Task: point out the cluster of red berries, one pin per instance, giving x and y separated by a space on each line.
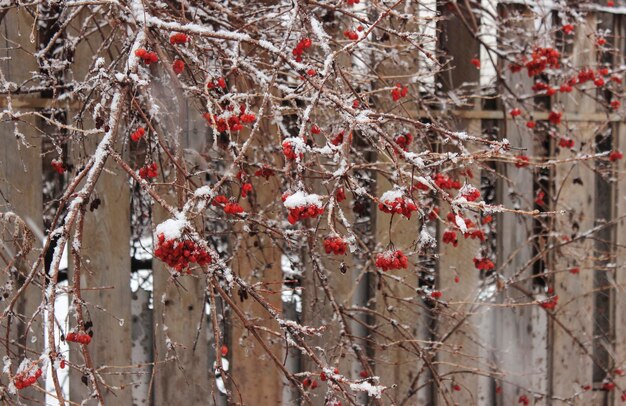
555 117
473 232
567 28
22 380
146 56
81 338
303 212
615 105
178 66
483 264
615 156
233 208
179 254
445 182
58 166
551 302
523 400
303 45
178 38
566 142
470 193
309 383
292 149
149 171
137 134
449 237
404 140
399 92
521 161
353 2
398 206
391 259
516 112
335 245
231 122
542 58
351 35
217 83
338 138
541 86
264 172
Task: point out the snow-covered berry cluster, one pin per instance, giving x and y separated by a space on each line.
391 259
394 201
302 206
180 254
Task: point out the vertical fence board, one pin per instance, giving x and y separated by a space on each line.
620 261
105 280
21 185
517 328
571 366
141 351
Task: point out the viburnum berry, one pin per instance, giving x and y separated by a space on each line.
340 195
599 82
394 201
521 161
566 142
179 254
302 206
81 338
315 129
303 45
265 172
245 189
219 200
565 88
555 117
616 79
149 171
353 2
475 62
450 237
404 140
436 294
615 155
146 56
224 350
608 386
601 41
567 28
337 139
487 219
549 303
433 214
178 66
391 259
610 3
58 166
456 387
530 124
351 35
314 384
217 83
615 105
294 148
178 38
483 264
137 134
574 271
399 92
541 59
233 208
306 382
523 399
539 198
470 193
26 378
515 67
335 245
445 182
363 374
516 112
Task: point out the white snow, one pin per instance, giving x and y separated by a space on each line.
300 199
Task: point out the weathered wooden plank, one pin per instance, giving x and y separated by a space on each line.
21 193
571 365
141 351
521 341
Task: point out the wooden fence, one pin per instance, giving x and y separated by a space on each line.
153 343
